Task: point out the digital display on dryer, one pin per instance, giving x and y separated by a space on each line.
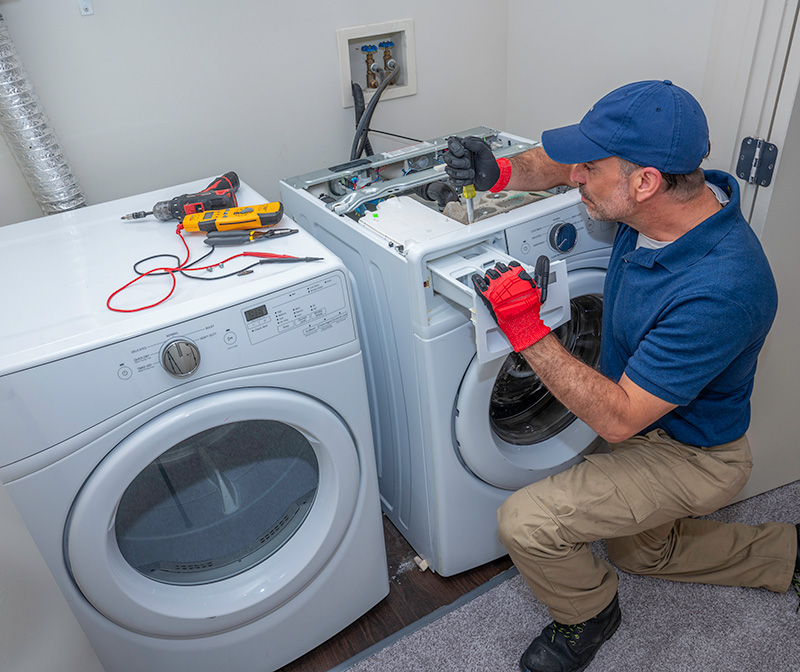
255 313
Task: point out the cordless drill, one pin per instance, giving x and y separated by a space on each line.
218 195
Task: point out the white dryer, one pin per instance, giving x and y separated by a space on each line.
459 421
199 476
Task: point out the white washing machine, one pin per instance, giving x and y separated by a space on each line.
199 476
459 421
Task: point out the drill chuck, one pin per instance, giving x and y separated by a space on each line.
163 211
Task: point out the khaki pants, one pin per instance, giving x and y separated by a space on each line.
637 498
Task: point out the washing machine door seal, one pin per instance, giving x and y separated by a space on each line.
131 599
501 463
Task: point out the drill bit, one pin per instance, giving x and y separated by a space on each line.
137 215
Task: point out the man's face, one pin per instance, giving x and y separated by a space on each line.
604 189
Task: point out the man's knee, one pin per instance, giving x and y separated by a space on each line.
519 519
635 556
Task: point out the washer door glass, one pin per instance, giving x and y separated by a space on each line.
510 430
214 513
522 411
218 503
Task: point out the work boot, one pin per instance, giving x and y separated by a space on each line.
570 648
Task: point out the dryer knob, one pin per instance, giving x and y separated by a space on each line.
563 237
180 358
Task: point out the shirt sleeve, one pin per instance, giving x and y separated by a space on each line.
693 341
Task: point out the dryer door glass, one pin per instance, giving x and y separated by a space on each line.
217 503
522 411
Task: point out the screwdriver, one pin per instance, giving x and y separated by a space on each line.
468 192
241 237
270 258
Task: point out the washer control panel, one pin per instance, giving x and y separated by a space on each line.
559 234
563 237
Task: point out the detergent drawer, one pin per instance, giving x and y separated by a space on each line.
451 277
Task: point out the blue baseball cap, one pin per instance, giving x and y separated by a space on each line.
651 123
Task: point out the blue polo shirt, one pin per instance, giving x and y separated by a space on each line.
686 322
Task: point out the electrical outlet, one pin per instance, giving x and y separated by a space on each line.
359 44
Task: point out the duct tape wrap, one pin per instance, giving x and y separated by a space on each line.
30 137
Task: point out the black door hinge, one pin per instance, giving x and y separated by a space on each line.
757 161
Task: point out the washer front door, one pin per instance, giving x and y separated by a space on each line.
215 513
510 430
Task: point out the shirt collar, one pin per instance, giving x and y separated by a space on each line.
695 244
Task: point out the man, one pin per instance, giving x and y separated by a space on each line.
688 301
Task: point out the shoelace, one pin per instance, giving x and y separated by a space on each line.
796 586
570 632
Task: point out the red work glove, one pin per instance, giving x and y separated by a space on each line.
514 300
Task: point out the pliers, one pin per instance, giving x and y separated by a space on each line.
243 236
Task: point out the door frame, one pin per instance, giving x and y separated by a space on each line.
753 58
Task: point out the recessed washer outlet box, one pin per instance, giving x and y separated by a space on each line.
352 60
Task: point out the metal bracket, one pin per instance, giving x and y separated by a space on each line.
757 161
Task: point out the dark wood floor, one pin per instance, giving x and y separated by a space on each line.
413 594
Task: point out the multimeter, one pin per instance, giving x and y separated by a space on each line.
231 219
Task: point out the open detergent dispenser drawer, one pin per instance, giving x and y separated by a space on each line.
451 276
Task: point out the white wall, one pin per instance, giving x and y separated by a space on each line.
144 94
149 93
564 56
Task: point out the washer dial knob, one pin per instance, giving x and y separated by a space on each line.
563 237
180 358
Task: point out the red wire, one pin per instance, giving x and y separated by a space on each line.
169 271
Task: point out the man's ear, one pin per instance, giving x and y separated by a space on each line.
647 184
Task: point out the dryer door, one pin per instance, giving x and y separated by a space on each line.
215 513
510 430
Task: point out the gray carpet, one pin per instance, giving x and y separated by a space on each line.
666 627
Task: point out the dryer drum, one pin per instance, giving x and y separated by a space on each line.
522 411
217 503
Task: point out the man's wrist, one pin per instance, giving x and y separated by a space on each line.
505 175
524 330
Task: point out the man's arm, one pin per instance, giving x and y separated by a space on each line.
471 161
616 411
535 171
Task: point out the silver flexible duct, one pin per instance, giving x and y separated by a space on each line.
31 138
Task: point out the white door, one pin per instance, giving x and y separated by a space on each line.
215 513
510 430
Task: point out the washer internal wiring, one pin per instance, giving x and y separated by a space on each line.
182 268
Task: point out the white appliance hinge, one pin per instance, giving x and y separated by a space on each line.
757 161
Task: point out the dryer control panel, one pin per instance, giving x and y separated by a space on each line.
309 309
77 392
